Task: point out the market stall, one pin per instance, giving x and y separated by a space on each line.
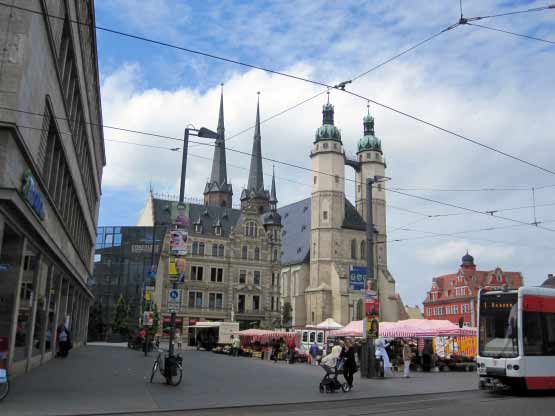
257 343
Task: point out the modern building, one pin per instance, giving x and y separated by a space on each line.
123 261
231 267
454 296
324 236
51 162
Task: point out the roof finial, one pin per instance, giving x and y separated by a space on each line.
328 95
368 107
222 88
257 97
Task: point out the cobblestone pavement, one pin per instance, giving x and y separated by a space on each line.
101 379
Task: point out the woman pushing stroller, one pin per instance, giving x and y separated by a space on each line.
333 366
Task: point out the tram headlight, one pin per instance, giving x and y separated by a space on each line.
509 366
516 367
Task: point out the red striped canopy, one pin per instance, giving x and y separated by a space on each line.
263 336
409 328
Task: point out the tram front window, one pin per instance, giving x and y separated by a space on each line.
498 325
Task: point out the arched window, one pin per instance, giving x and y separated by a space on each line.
250 229
195 248
257 253
363 249
221 250
275 257
201 249
244 253
354 249
214 250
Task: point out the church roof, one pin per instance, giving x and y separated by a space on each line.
295 219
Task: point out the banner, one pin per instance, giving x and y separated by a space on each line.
357 276
178 242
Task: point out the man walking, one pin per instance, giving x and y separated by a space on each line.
235 345
407 357
314 350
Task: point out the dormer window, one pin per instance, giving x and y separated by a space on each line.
250 229
218 230
198 228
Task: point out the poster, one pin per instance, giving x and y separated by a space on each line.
178 242
182 219
372 328
180 268
372 307
357 276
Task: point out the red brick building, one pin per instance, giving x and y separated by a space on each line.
453 296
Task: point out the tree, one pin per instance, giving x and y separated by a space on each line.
286 317
120 320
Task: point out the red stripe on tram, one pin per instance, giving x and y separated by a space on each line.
538 304
540 383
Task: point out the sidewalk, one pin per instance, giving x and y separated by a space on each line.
98 379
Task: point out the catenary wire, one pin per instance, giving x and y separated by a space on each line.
488 213
512 33
491 16
340 87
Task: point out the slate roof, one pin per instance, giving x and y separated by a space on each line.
209 215
295 219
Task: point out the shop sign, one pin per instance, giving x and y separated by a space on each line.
357 276
31 194
143 248
178 242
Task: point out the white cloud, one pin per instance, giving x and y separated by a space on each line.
449 252
488 86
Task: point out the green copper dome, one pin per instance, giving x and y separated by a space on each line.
369 141
327 131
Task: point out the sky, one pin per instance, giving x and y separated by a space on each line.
489 86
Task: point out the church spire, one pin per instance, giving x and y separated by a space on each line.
273 198
256 179
255 187
217 190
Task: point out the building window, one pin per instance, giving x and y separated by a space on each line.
214 250
244 253
363 249
465 308
196 272
217 274
201 249
215 300
315 179
255 303
272 304
455 309
198 228
325 145
195 248
354 249
275 255
195 299
242 277
251 229
273 279
325 215
256 278
218 230
221 250
241 303
256 253
336 179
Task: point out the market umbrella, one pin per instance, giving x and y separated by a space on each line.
329 324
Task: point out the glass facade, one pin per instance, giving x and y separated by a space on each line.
122 264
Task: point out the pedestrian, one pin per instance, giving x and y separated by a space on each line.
381 353
64 341
314 351
427 355
235 346
291 350
407 357
275 350
178 339
349 362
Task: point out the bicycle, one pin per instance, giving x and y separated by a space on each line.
170 368
4 384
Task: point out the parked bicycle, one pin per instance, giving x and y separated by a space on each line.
4 384
170 367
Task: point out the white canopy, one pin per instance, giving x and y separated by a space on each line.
329 324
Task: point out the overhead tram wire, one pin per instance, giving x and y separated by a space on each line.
281 162
512 33
340 86
535 9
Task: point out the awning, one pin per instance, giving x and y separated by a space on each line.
408 328
329 324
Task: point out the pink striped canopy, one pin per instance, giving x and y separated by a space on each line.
264 336
409 328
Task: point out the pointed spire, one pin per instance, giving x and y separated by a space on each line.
256 179
327 112
218 178
273 198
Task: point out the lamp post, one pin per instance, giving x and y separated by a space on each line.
190 130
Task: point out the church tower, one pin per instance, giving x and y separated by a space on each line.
218 191
372 165
324 293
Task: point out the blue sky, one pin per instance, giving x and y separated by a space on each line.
487 85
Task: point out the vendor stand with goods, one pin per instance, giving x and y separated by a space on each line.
259 343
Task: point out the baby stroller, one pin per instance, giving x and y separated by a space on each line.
330 383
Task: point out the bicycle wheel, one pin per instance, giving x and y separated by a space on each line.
154 369
4 389
174 379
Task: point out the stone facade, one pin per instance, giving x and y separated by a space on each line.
51 162
329 234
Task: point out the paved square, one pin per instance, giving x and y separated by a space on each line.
97 379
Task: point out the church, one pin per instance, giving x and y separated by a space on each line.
263 257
